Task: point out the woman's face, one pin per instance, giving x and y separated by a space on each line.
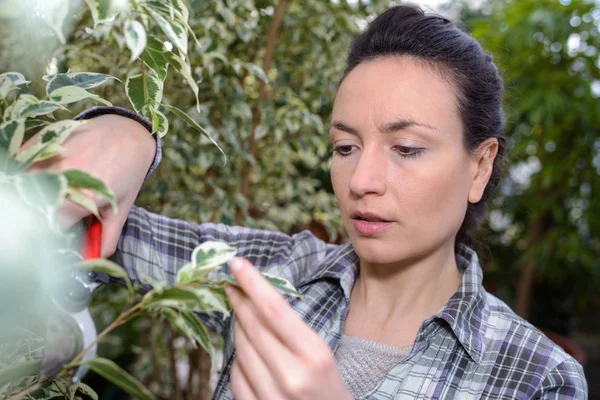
400 172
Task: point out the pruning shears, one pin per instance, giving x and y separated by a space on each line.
70 328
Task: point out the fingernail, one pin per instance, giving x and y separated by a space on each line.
236 264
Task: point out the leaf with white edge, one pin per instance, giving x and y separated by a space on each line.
49 151
214 300
180 6
281 284
54 134
10 81
11 136
194 325
184 68
189 273
84 389
24 100
84 80
135 38
184 116
82 200
82 180
162 125
256 71
72 94
143 89
190 326
16 78
156 58
93 6
110 371
174 31
42 107
43 190
108 267
211 253
31 124
181 297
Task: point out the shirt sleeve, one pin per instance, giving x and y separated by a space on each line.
104 110
565 382
156 247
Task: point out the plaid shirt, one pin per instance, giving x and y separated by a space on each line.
475 347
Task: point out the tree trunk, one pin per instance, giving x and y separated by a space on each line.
271 39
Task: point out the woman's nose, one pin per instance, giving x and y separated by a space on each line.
369 176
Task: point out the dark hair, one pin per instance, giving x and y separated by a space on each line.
436 41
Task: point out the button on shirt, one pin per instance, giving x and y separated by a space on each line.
474 348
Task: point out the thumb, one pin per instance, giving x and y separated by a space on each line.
112 225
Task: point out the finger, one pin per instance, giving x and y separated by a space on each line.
278 358
253 367
240 387
273 309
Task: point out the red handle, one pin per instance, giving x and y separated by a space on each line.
91 245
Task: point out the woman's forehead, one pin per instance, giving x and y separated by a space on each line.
385 89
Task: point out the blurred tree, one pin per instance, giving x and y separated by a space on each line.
544 223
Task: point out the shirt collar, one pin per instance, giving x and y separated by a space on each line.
465 312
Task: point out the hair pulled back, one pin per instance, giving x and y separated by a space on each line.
406 31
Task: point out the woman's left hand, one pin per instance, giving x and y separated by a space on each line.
277 355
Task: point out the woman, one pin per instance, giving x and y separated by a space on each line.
399 312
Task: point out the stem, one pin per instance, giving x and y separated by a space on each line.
118 321
30 389
173 360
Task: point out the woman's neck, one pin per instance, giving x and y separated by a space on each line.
388 303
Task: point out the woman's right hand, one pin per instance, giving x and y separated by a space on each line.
115 149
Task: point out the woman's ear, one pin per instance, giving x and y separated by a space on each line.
482 165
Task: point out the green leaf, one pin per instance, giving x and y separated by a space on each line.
10 81
281 284
20 370
72 94
105 10
108 267
194 325
181 297
256 71
190 326
84 80
82 180
142 90
214 299
135 38
162 125
82 200
184 68
208 256
50 137
11 136
156 58
174 31
181 114
43 190
84 389
30 106
115 374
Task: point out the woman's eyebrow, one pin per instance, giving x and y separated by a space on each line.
402 123
343 127
394 126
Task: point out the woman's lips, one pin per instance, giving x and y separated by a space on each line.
368 228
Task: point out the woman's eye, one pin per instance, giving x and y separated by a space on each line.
344 150
405 151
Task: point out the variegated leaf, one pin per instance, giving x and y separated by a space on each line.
156 58
142 90
72 94
82 180
184 68
11 136
174 30
84 80
53 134
135 38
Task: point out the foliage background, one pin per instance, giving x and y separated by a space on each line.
267 73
